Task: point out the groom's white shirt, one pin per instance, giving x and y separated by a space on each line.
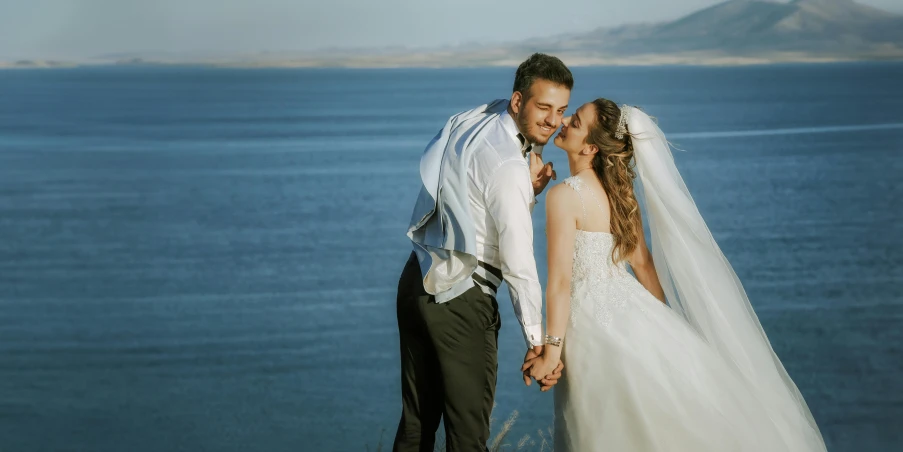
478 182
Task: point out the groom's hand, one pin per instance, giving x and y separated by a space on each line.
540 174
532 354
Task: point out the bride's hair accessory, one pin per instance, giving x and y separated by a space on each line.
622 123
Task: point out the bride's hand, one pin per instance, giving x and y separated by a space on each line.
543 367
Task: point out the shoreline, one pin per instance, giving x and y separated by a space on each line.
449 62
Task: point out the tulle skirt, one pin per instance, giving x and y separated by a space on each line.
639 378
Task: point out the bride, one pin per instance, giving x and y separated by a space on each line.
695 374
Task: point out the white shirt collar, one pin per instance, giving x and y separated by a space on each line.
511 127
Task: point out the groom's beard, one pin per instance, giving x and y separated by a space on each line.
539 141
524 127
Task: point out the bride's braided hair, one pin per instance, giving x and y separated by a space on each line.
613 164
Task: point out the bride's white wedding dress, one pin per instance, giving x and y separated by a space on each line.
638 377
698 375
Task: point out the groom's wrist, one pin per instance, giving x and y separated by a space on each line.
533 335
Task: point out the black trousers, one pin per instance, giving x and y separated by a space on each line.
449 362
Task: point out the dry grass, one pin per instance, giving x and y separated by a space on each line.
498 444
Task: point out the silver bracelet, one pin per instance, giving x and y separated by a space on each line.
552 340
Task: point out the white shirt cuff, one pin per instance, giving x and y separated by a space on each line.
533 335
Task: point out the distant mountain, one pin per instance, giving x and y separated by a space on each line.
829 29
733 32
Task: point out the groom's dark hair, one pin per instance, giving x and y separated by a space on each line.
541 66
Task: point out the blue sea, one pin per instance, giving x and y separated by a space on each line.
197 259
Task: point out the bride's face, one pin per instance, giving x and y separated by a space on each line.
575 129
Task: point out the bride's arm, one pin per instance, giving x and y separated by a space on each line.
561 229
643 267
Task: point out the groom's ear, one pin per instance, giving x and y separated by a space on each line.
516 98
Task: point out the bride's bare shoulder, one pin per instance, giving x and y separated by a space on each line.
563 196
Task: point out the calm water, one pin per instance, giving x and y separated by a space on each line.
195 259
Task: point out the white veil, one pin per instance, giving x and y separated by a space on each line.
700 283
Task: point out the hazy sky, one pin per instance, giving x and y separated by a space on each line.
83 28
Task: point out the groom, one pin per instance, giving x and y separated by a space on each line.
471 229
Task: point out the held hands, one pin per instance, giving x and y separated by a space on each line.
543 368
540 174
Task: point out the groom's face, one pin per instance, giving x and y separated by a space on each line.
538 112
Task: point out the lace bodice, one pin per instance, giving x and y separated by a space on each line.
596 277
592 250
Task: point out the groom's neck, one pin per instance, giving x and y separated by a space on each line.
517 123
511 113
